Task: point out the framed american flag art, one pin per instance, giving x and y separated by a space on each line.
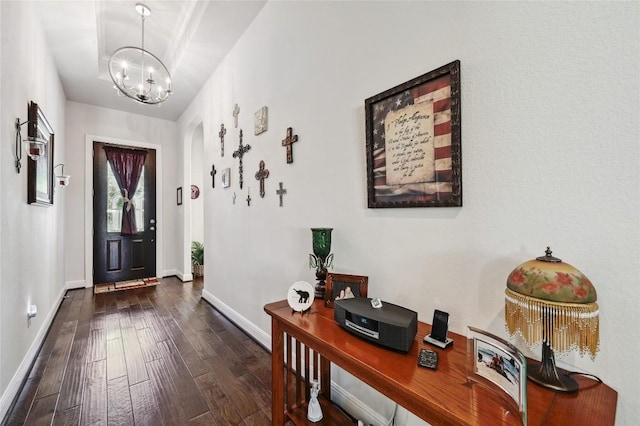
413 137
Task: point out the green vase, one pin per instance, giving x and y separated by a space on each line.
321 257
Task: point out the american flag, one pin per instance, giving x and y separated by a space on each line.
437 91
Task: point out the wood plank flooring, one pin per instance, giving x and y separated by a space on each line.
149 356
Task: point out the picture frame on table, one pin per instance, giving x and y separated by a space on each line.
499 365
179 196
40 179
413 142
344 286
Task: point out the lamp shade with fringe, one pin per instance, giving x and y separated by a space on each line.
550 301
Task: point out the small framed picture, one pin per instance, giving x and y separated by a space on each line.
498 364
226 177
342 286
261 120
179 196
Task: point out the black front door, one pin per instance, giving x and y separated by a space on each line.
122 257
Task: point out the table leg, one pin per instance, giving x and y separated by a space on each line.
277 374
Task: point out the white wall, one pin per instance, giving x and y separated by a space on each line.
115 126
198 173
32 239
549 147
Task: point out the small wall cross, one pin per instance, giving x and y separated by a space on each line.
288 142
261 175
236 111
248 197
240 153
222 132
281 192
213 174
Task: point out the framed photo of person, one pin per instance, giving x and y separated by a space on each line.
343 286
498 364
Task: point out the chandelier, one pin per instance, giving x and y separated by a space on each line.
137 73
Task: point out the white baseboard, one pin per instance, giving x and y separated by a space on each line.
23 369
70 285
256 332
355 407
184 277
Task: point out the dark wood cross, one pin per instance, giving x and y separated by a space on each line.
261 175
222 132
281 192
213 175
240 153
288 142
248 197
236 111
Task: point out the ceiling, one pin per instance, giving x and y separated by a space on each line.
191 37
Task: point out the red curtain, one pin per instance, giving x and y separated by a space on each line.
127 165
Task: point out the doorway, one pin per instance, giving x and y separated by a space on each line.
197 191
124 227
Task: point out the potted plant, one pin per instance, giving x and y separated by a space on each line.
197 258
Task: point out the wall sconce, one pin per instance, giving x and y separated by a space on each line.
34 146
62 180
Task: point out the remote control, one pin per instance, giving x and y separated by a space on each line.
428 358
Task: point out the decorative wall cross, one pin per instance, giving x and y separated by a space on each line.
281 192
236 111
213 175
288 142
222 132
240 153
248 197
261 175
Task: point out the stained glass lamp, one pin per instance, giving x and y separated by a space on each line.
550 301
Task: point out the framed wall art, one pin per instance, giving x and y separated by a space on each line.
498 364
413 142
40 179
261 120
226 177
343 286
179 196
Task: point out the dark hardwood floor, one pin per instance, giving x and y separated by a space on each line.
150 356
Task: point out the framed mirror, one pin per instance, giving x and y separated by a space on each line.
40 172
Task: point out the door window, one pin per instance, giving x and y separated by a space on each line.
115 200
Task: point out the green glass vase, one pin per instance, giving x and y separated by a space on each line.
321 257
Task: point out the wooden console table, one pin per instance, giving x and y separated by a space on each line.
303 346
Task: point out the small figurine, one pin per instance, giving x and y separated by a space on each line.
314 412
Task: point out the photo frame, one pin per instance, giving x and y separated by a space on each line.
226 177
179 196
261 120
343 286
499 365
413 142
40 180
